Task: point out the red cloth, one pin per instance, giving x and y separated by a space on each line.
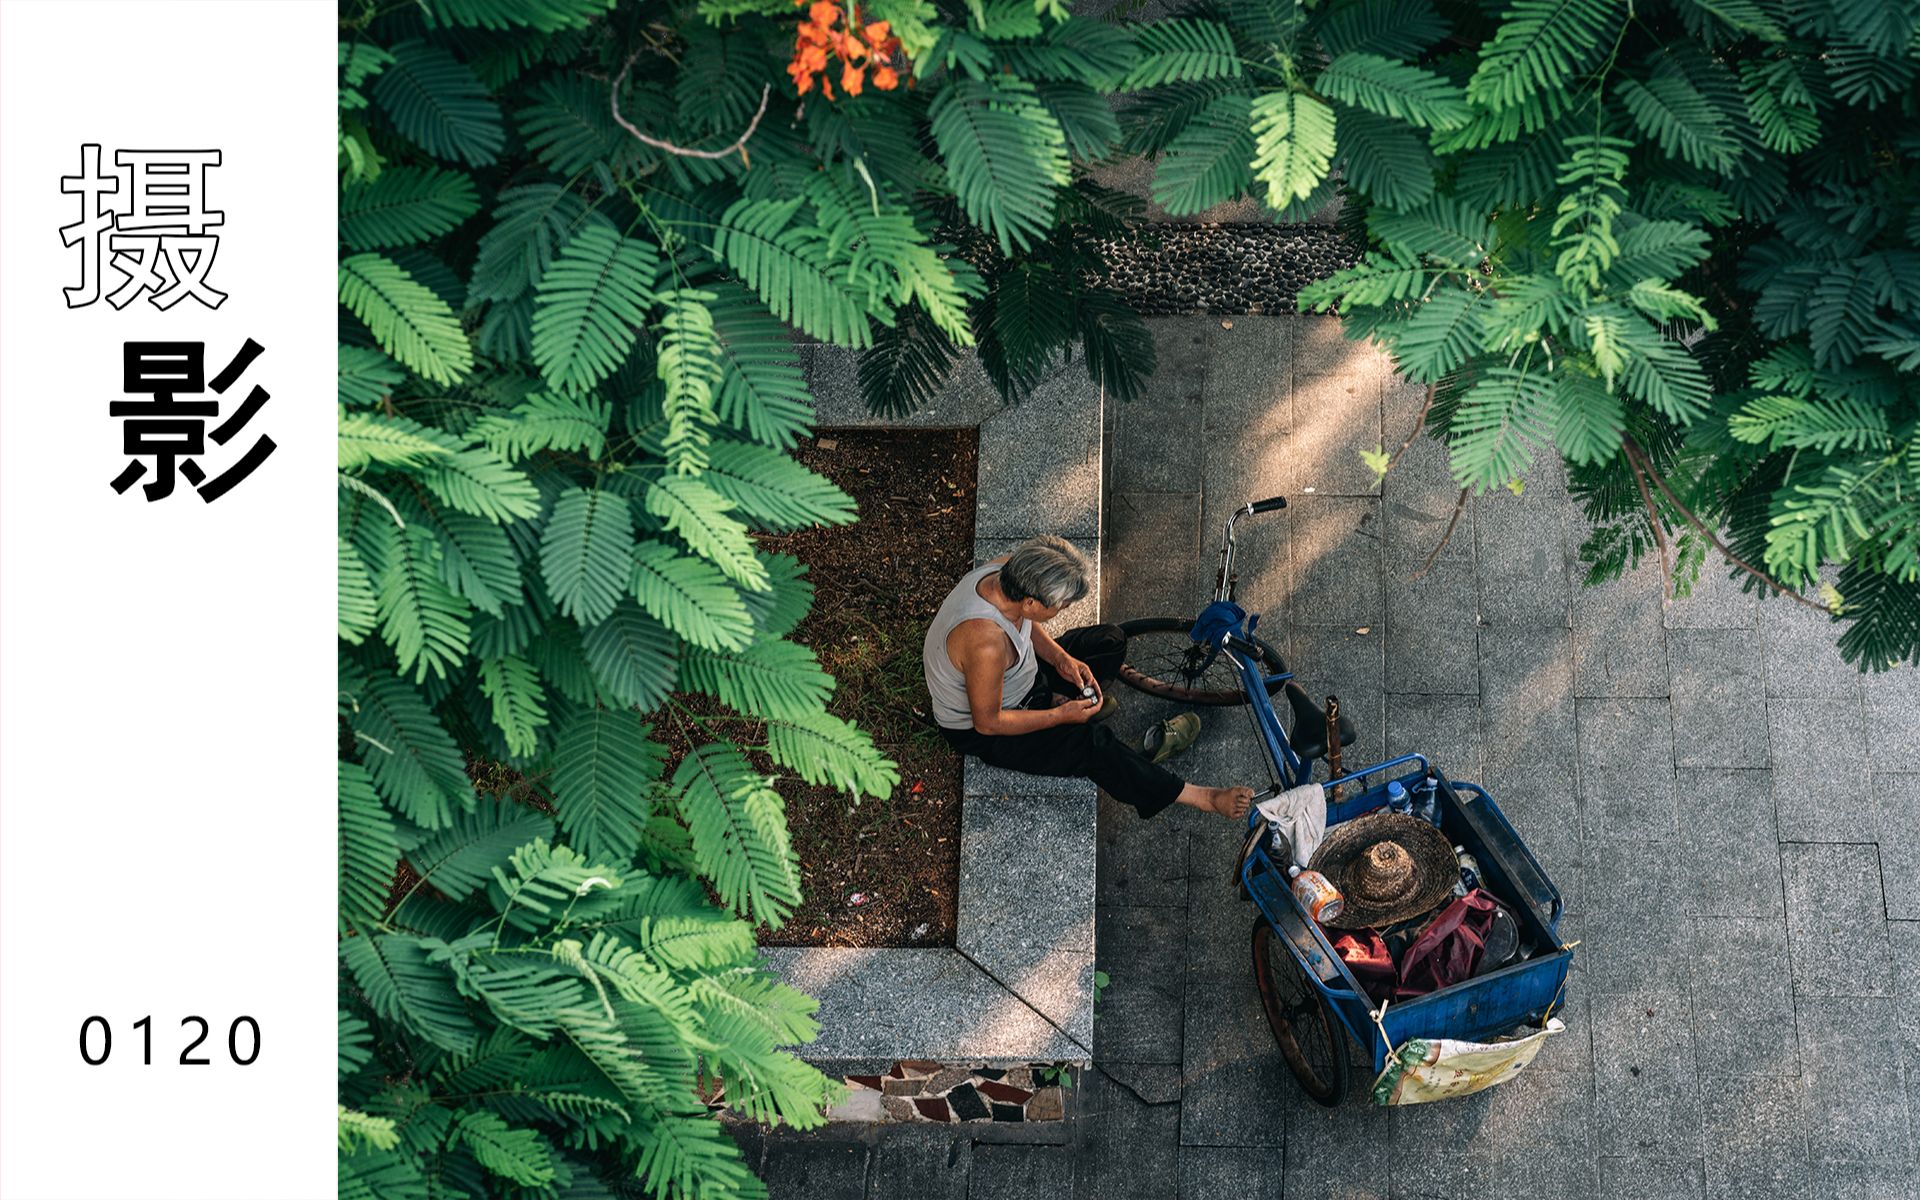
1445 953
1447 950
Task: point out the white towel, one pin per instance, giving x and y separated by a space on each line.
1300 814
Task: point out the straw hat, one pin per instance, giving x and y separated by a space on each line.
1388 867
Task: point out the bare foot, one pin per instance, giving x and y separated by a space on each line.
1232 802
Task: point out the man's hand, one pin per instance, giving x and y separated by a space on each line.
1079 674
1076 712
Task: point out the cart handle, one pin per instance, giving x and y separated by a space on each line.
1362 773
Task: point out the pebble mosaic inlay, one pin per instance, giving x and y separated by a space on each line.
917 1090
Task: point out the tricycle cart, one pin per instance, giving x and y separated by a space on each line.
1308 991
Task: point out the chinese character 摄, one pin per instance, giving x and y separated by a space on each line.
170 430
149 222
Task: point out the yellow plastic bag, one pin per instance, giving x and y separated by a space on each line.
1424 1069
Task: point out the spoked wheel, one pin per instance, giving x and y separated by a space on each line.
1309 1037
1163 661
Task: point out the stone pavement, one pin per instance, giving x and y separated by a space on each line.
1732 813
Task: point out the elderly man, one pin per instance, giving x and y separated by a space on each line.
1006 692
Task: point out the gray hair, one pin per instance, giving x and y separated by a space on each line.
1048 569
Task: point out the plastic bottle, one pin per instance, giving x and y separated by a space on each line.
1397 799
1426 800
1316 894
1469 871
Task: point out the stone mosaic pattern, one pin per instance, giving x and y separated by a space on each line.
919 1090
1175 270
1732 813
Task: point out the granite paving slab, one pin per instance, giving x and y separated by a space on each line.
806 1170
1716 601
1334 1153
1337 578
921 1160
1836 920
1138 1017
1139 862
1444 728
1154 544
1233 1081
1821 781
1619 642
1541 801
1336 418
1638 937
1801 657
1015 1172
1129 1148
1432 633
1157 441
1896 801
1742 984
1646 1086
1854 1101
1252 1173
1759 1147
1733 853
1637 1179
1526 686
1040 463
1719 699
1893 719
1865 1181
1903 938
1520 553
1341 661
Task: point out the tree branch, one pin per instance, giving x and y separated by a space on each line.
1419 423
1659 531
739 145
1639 457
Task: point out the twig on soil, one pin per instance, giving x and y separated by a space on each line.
739 146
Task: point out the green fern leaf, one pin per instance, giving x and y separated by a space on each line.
699 514
548 421
368 849
1293 145
1443 230
1587 418
436 103
585 552
688 363
458 860
1384 159
740 834
404 206
1005 155
367 376
1393 89
514 688
424 622
1182 50
633 656
1672 112
774 679
359 613
773 490
368 438
823 749
411 323
520 1155
604 770
547 16
1393 28
1441 335
570 127
907 366
416 766
401 986
355 1042
1208 162
691 597
1494 427
531 223
590 306
1541 46
787 266
762 389
784 605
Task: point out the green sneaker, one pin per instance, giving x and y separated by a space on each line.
1171 736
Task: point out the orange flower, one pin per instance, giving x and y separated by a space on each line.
859 47
851 49
851 79
877 32
885 79
824 13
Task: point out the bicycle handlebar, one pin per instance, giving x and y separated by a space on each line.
1267 505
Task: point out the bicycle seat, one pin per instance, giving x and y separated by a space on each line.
1309 737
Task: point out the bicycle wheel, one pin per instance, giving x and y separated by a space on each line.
1163 661
1310 1039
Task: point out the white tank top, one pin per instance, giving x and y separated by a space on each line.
945 684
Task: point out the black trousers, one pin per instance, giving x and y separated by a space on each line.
1089 751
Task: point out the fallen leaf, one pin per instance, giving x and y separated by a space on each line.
1226 324
1364 629
828 443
